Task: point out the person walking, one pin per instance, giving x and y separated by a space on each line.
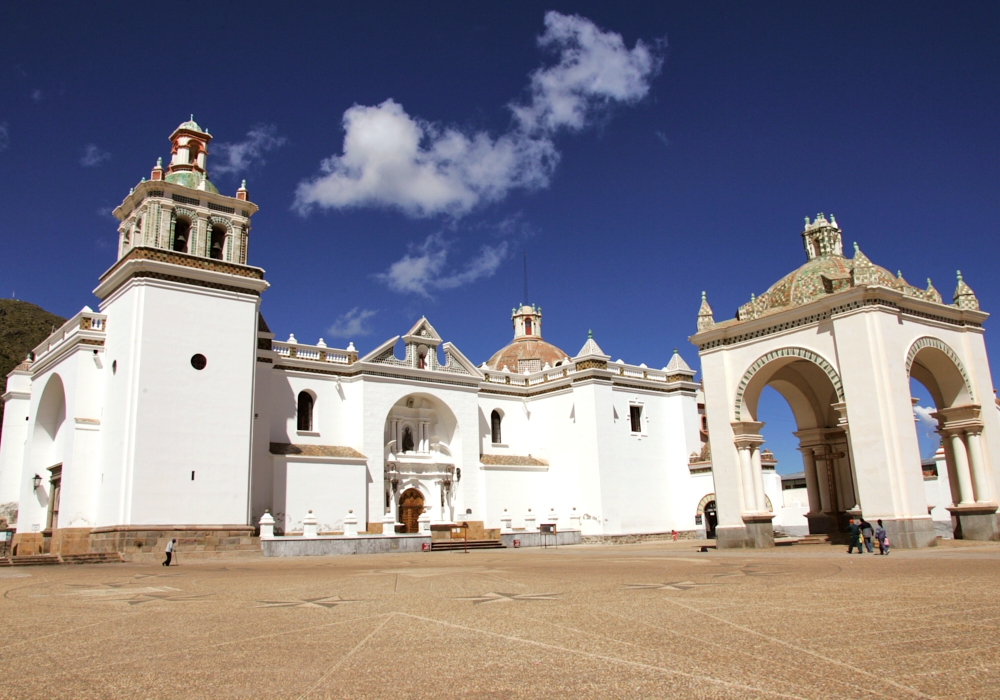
170 551
855 532
866 532
880 537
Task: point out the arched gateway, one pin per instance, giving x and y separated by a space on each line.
839 339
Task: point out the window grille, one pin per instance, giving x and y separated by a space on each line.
185 200
218 207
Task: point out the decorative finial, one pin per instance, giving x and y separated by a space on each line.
753 297
807 222
855 246
590 335
703 296
244 185
192 119
159 162
899 274
675 351
143 179
959 274
131 190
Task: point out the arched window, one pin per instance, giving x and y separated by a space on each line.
527 326
407 439
218 248
182 230
495 421
305 414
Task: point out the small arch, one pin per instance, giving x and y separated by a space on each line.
786 353
183 228
704 502
496 419
218 245
304 414
527 326
934 364
407 439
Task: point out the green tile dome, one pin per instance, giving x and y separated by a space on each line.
193 180
191 125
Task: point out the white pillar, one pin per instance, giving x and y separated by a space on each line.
266 525
812 487
309 525
746 471
758 479
823 483
980 479
350 524
529 522
962 468
505 521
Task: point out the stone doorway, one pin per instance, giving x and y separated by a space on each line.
711 520
411 507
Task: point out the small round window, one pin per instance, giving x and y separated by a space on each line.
198 361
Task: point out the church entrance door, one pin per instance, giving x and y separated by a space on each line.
411 507
711 520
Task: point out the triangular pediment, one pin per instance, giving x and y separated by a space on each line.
424 332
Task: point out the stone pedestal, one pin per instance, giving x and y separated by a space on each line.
309 525
552 517
976 522
529 522
505 522
350 525
909 533
424 521
756 533
266 525
822 523
389 525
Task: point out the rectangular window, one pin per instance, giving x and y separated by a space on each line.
635 413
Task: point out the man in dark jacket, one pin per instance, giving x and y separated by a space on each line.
855 532
866 532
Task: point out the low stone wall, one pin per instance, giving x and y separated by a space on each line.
334 546
147 542
642 537
538 539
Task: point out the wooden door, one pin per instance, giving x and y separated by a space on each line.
411 507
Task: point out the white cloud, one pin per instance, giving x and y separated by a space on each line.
924 418
423 269
352 324
234 158
93 156
595 69
105 211
37 95
4 136
391 159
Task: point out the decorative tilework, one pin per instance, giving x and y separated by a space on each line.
929 342
800 353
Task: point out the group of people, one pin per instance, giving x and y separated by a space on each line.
863 531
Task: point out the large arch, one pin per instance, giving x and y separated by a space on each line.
46 440
427 461
814 392
934 364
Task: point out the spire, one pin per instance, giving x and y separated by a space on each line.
863 272
932 294
590 347
964 297
705 319
677 364
241 193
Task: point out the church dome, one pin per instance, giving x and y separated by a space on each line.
528 352
819 276
191 125
192 179
527 355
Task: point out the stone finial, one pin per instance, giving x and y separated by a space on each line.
350 347
964 297
863 270
931 294
705 319
291 338
159 162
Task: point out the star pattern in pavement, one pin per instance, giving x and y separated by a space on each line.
494 597
327 602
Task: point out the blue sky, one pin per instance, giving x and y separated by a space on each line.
639 152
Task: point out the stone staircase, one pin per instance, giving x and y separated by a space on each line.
841 538
31 560
93 558
460 546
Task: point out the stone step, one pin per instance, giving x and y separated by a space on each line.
93 558
35 560
460 546
841 538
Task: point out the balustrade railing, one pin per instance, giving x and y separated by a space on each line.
85 321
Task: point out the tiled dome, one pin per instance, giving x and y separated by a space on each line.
534 352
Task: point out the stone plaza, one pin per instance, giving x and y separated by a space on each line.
657 619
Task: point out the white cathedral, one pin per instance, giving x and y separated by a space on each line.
173 410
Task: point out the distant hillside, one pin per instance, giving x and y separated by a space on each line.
22 327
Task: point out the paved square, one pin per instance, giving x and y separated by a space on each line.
638 621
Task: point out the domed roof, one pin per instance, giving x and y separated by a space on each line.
534 352
191 125
192 179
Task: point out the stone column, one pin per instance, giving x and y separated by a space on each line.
823 483
746 471
812 487
758 479
949 463
962 468
980 479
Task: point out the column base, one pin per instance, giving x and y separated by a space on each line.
822 523
978 521
756 533
909 533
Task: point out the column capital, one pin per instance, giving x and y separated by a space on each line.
747 433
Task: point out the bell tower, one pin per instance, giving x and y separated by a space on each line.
180 362
527 320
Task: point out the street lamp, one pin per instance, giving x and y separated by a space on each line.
37 481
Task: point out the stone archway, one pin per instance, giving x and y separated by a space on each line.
411 507
935 365
814 393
